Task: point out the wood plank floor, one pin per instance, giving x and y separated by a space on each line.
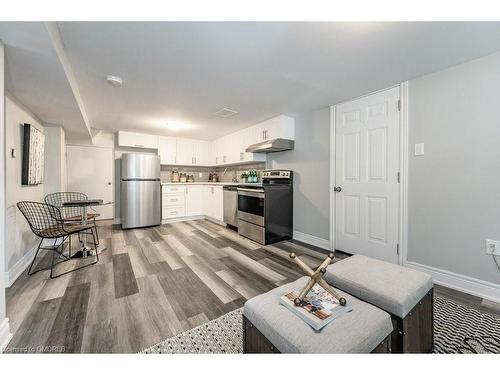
149 284
153 283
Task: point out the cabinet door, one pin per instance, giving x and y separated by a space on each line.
194 201
214 155
207 199
167 149
222 151
281 127
246 140
218 203
230 149
258 132
138 140
200 152
185 151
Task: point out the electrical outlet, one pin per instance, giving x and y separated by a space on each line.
493 247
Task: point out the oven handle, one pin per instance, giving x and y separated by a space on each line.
251 193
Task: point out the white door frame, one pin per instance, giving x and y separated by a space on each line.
113 169
403 169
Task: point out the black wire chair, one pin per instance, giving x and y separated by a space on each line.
71 214
47 222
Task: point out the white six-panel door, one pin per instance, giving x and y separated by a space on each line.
366 173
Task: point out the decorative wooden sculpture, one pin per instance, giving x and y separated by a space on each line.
316 277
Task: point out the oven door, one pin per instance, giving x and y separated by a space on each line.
251 207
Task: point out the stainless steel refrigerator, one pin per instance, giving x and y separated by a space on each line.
140 190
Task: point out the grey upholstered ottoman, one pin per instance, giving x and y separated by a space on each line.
403 292
271 328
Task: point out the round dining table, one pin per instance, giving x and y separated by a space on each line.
84 204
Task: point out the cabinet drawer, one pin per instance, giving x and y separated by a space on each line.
173 212
170 189
168 200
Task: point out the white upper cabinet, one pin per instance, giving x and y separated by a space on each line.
212 153
139 140
201 153
229 149
185 151
167 149
192 152
223 150
276 127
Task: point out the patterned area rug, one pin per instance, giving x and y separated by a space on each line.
457 329
219 336
460 329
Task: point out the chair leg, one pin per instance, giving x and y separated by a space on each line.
52 265
96 244
96 232
34 258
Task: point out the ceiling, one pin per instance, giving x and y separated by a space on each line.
34 75
185 72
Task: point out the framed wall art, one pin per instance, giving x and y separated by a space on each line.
33 155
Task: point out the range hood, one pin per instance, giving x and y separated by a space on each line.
271 145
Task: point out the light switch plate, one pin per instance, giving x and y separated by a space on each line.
419 149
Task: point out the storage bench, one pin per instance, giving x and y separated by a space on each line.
406 294
270 327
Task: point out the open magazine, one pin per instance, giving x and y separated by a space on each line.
318 308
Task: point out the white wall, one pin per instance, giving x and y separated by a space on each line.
310 163
454 189
19 239
55 159
4 322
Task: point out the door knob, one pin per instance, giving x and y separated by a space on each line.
338 189
109 183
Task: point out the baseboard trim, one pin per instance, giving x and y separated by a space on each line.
181 219
462 283
189 218
19 267
5 334
311 240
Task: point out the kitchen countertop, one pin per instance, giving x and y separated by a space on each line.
214 183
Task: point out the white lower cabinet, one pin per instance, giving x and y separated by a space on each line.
213 205
194 200
181 201
218 203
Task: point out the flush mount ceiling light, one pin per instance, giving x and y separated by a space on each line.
225 113
175 125
114 80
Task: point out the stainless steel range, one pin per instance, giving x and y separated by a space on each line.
265 213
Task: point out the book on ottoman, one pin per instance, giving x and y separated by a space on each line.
318 308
